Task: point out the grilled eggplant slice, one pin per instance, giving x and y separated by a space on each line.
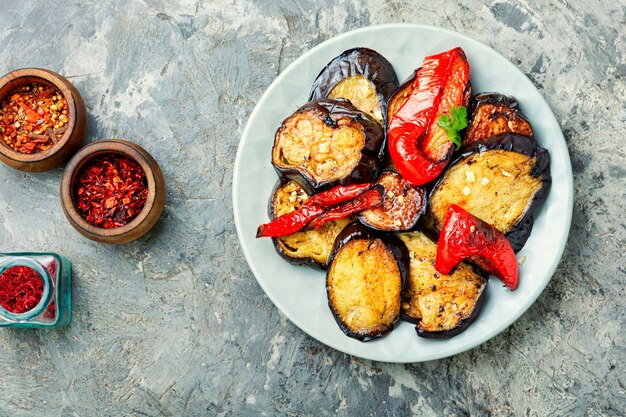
364 282
492 114
442 306
326 143
402 208
360 75
499 180
309 247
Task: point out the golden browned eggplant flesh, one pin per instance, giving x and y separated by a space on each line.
360 75
364 282
328 142
402 208
492 114
499 180
441 305
309 247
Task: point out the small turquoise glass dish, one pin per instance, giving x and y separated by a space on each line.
55 307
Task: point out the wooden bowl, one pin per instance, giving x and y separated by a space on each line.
69 143
146 219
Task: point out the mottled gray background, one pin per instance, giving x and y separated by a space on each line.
175 324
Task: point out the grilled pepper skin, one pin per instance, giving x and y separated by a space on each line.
441 83
466 236
321 203
367 200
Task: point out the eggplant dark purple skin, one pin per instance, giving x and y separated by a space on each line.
331 110
460 328
358 61
398 250
495 99
525 145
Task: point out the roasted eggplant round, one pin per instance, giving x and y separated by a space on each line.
440 305
309 247
402 207
362 76
499 180
492 114
326 143
364 282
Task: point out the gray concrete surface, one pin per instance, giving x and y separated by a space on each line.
175 324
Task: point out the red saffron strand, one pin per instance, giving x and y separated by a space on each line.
21 289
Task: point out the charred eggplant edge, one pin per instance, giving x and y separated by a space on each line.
370 162
422 211
397 248
463 324
376 68
520 232
495 99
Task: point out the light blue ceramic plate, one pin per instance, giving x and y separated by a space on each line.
299 292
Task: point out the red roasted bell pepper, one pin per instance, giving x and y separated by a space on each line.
418 145
367 200
465 236
317 204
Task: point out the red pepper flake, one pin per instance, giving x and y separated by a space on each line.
21 289
110 191
33 118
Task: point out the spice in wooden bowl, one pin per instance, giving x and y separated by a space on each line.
33 118
113 191
43 119
110 190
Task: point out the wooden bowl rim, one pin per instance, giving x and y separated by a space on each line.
103 147
59 82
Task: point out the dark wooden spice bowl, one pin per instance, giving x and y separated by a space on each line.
72 138
146 219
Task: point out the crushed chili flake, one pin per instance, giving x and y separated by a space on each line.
33 118
110 191
21 289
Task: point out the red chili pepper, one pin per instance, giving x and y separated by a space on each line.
466 236
338 194
418 146
367 200
317 204
290 223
